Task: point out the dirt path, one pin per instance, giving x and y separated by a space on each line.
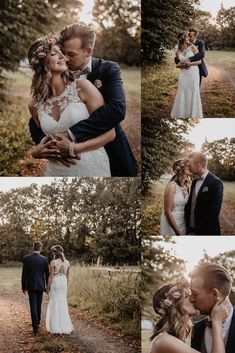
88 336
227 219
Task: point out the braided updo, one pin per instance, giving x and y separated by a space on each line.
179 168
58 252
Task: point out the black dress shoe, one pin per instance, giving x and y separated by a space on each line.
35 331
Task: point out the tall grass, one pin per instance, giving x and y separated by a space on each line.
112 297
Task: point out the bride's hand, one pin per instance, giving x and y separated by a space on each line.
220 311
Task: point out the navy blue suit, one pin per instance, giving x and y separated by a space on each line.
199 56
198 335
122 161
208 205
34 279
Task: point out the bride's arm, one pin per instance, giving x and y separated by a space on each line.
170 344
168 206
51 275
218 315
34 112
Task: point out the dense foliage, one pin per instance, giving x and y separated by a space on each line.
91 218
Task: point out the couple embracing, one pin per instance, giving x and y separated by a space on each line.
189 59
77 103
176 303
38 277
192 208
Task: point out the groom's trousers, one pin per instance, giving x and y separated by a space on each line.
35 301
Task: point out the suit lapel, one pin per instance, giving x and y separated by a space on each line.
198 335
203 184
231 336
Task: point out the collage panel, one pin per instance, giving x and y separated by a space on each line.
188 59
71 97
88 230
188 296
176 154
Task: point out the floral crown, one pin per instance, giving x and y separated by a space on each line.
43 49
172 296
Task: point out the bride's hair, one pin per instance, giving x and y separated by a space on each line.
181 40
38 58
179 168
58 252
167 303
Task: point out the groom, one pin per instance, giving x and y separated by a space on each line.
78 41
203 207
199 43
34 281
209 284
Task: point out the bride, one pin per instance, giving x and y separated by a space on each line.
57 316
172 303
175 198
188 100
57 102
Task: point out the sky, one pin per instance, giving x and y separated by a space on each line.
191 248
213 6
86 14
213 129
7 183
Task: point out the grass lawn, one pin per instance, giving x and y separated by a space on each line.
10 277
229 193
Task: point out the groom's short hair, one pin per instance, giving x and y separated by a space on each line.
215 276
85 33
37 246
194 30
199 157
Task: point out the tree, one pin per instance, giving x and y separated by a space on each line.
118 34
162 20
89 217
221 157
162 142
22 22
158 268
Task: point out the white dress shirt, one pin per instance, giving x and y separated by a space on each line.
225 328
200 182
82 77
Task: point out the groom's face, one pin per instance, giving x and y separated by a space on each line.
203 299
77 56
194 167
192 37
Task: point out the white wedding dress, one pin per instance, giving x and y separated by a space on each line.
72 110
180 199
57 316
188 100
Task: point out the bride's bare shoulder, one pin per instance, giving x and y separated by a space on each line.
169 344
171 186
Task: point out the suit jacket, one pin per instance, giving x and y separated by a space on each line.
199 56
35 272
122 161
198 335
208 205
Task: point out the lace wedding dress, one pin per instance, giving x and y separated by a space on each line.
57 316
187 343
188 100
180 199
70 109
